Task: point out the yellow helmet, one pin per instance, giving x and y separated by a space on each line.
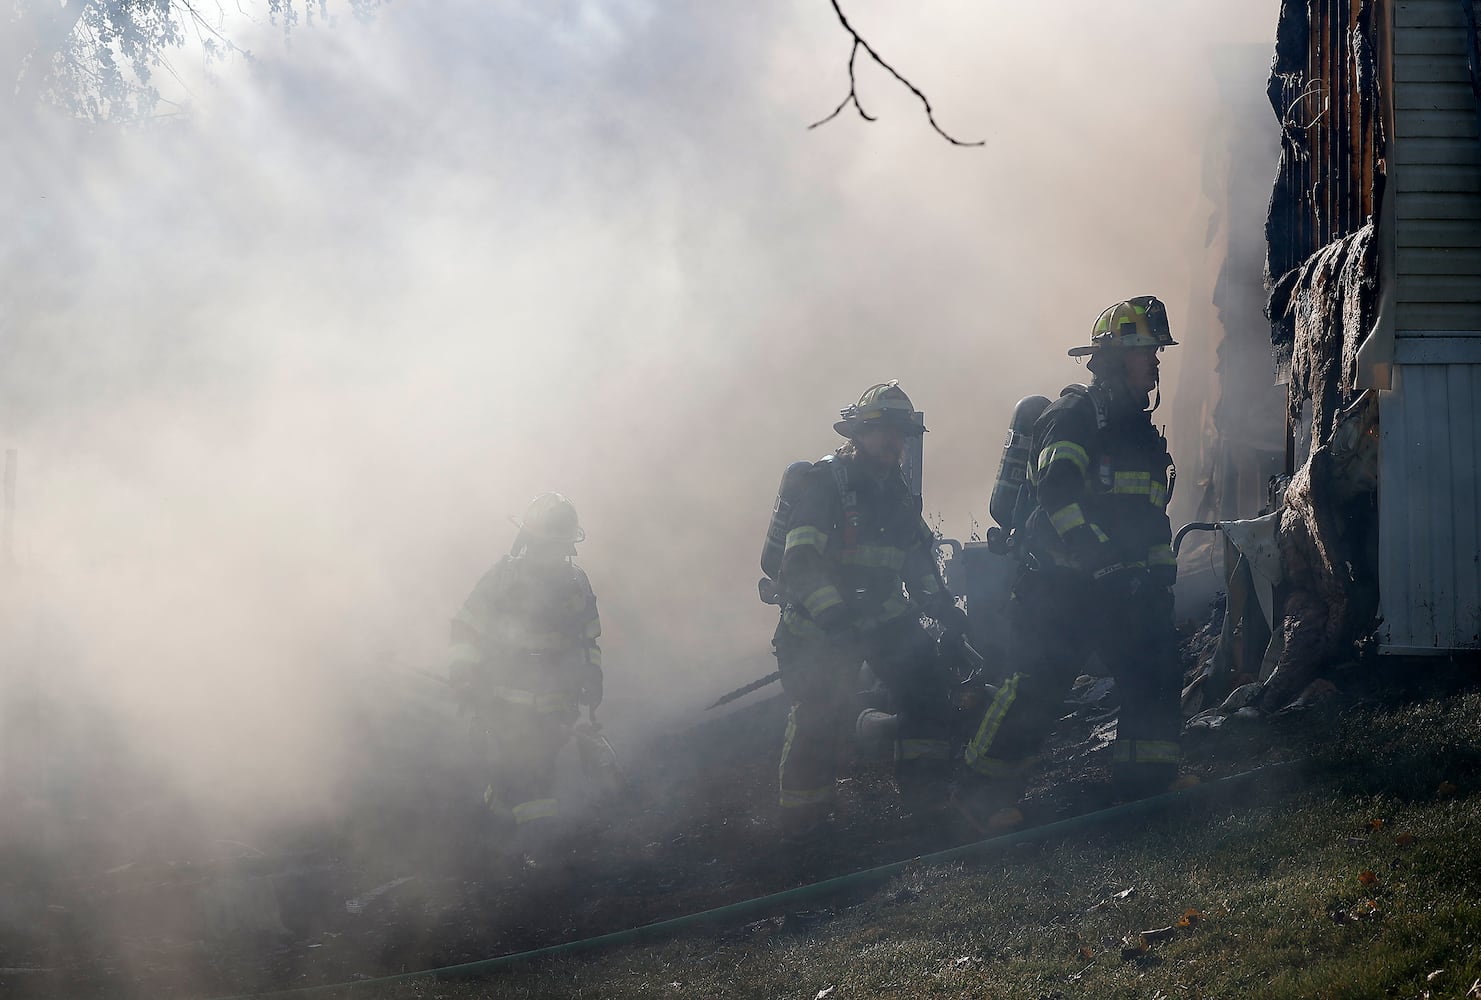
882 405
552 518
1136 322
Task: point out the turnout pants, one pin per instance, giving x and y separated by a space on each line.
521 721
1057 620
822 678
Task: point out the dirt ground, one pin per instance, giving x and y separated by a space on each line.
403 885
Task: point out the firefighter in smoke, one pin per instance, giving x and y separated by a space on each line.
524 658
855 544
1096 576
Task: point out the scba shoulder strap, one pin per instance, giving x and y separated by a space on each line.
849 497
1100 399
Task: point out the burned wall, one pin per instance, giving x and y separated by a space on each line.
1324 90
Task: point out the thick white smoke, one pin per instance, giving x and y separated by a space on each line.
278 369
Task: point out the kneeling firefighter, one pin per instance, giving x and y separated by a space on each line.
524 658
1096 575
855 544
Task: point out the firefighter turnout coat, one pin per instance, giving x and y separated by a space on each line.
1096 578
858 570
524 654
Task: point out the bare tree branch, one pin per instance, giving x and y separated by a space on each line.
853 93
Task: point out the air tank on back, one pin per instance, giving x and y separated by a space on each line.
1013 468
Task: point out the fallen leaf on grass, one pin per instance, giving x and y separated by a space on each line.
1110 901
1133 946
1190 917
1446 790
823 993
1367 877
1404 839
1005 819
1375 824
1474 993
1366 910
1432 976
1136 945
1086 952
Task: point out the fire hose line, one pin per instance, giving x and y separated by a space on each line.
1220 788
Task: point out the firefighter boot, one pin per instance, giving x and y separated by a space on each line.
988 807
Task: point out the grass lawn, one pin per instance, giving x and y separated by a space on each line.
1356 874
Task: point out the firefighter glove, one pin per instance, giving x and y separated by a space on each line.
1090 549
1162 577
835 621
952 619
1120 581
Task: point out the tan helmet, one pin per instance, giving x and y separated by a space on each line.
1136 322
882 405
551 517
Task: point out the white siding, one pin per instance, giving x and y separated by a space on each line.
1436 175
1429 560
1429 507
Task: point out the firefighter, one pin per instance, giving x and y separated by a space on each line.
524 659
1095 577
855 545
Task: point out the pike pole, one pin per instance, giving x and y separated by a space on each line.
741 692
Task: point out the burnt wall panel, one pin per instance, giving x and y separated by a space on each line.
1324 90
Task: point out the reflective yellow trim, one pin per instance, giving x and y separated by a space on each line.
1066 451
1158 494
594 656
1067 518
803 535
997 768
893 607
820 600
1133 483
874 557
921 750
794 797
1100 536
1146 752
975 754
803 627
593 628
1161 555
527 812
542 703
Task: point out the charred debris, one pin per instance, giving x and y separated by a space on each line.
1368 541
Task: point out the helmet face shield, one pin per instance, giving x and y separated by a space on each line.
1135 322
882 405
551 518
